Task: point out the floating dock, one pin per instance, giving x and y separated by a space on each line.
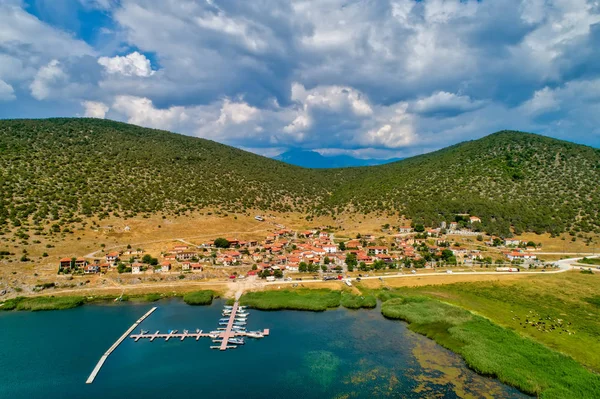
115 345
223 334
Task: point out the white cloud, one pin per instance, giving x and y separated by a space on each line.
542 101
141 111
99 4
134 64
236 113
46 78
95 109
22 32
7 92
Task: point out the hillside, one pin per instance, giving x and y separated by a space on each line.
54 171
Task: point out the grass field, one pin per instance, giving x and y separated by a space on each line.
562 311
492 350
301 299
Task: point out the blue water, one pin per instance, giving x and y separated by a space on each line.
333 354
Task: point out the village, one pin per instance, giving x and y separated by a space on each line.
319 252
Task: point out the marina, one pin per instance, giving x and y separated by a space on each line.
229 334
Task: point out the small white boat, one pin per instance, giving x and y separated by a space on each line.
236 341
254 334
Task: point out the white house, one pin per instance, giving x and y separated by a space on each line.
330 248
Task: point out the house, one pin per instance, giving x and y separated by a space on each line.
185 256
185 266
323 235
136 268
353 244
196 267
180 248
80 263
112 257
65 264
165 266
520 256
474 219
104 267
377 250
509 242
234 242
405 229
91 269
233 254
453 226
330 248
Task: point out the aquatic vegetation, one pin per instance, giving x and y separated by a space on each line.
204 297
352 301
322 367
490 349
300 299
43 303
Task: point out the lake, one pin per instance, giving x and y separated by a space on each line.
334 354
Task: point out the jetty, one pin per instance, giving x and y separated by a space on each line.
115 345
222 335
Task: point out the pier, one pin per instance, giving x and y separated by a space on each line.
115 345
224 334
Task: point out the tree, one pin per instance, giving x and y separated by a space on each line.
342 246
419 228
312 267
254 267
326 260
278 273
222 243
447 254
324 268
147 259
351 261
303 267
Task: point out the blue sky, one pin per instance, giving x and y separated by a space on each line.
368 78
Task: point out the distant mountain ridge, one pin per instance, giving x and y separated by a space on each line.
54 172
313 159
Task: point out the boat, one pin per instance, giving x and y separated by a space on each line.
240 323
215 332
185 331
228 307
223 323
213 335
172 331
224 319
238 329
236 341
241 319
255 334
145 332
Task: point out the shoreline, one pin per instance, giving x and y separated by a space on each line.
518 361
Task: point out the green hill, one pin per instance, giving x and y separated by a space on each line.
55 171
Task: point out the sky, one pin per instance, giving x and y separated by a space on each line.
366 78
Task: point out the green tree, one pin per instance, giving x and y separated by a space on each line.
419 228
303 267
222 243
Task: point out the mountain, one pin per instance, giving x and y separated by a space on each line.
312 159
55 172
